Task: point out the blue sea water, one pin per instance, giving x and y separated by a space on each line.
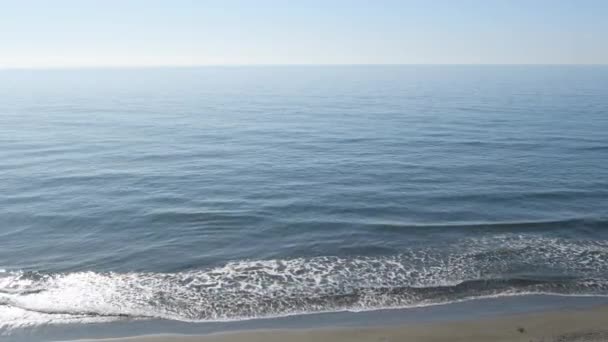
228 193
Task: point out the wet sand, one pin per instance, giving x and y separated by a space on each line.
562 326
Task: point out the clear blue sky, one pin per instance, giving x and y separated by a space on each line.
77 33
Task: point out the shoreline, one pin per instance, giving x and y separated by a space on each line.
396 324
567 325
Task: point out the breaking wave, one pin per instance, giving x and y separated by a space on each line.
504 265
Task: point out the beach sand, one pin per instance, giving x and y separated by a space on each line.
563 326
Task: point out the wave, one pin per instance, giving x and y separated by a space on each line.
599 224
504 265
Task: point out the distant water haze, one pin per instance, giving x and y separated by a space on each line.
228 193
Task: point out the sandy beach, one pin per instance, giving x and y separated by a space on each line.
570 325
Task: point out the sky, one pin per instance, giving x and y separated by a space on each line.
88 33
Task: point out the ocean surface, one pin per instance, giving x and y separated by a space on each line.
231 193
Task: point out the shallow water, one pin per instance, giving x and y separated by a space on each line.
226 193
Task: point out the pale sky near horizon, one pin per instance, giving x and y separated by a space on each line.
87 33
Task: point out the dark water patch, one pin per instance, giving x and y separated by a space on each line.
504 227
546 195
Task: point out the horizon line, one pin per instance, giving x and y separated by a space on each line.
229 65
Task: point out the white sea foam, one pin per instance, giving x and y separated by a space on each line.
476 268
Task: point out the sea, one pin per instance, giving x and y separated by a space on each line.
231 193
